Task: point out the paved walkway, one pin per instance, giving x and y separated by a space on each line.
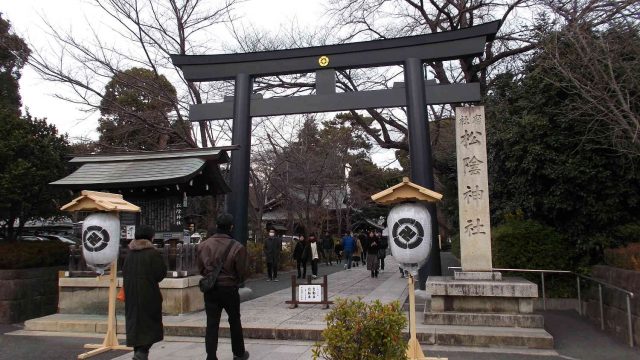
268 321
266 317
574 338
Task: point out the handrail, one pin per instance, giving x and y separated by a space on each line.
600 283
559 272
631 294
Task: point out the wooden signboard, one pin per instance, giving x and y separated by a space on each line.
309 293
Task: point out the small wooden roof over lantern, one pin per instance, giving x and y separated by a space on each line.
100 201
405 191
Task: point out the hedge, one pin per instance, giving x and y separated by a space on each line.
33 254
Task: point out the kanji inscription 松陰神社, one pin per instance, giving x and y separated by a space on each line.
473 189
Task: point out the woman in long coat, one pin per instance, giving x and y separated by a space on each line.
357 252
143 269
372 257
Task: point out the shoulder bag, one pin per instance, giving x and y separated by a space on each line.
209 281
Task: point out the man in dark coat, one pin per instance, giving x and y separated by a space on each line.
327 248
224 294
143 269
272 248
364 241
297 256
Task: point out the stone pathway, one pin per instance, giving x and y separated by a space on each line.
258 349
266 317
269 317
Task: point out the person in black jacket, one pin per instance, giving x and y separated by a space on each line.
143 269
297 256
372 256
364 241
327 248
382 250
272 248
338 251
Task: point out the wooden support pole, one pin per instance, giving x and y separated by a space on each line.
414 351
110 340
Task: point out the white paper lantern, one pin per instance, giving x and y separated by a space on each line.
409 236
100 240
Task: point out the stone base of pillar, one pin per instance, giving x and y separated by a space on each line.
477 275
483 303
507 296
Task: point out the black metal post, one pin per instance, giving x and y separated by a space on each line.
238 199
420 153
203 133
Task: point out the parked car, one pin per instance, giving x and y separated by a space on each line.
64 239
32 238
51 237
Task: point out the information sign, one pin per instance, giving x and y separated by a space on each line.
310 293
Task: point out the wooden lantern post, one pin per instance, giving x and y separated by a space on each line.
405 192
104 202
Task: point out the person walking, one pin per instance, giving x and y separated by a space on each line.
348 246
327 247
143 269
272 248
372 258
297 256
382 250
364 241
225 294
305 258
338 250
315 255
357 252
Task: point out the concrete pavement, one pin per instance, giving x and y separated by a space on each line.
266 317
268 322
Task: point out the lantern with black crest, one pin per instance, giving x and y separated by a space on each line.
409 222
100 230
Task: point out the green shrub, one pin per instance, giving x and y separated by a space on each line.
627 233
455 245
527 244
627 257
24 255
256 257
360 331
286 260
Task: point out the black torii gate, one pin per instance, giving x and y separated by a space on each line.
411 52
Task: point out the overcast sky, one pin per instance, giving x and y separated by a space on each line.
74 15
25 17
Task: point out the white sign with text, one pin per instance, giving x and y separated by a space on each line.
310 293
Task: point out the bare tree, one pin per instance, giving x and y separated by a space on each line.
602 70
523 23
146 32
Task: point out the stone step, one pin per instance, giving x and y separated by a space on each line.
484 319
484 336
446 335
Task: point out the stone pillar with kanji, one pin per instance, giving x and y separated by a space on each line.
473 194
477 296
